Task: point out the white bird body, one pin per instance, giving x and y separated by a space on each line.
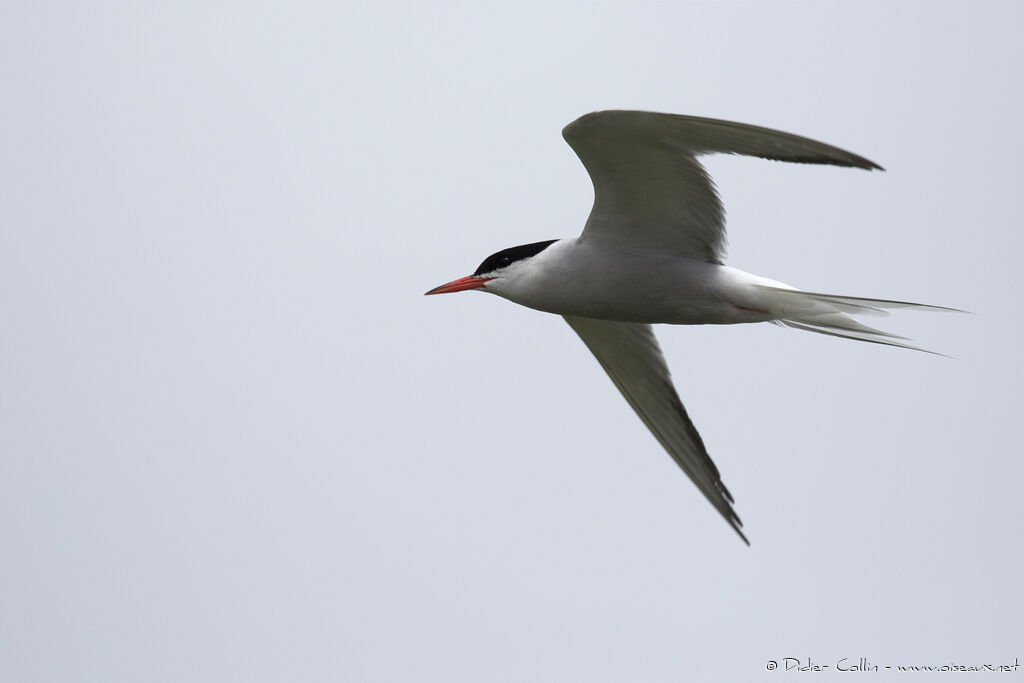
652 252
577 277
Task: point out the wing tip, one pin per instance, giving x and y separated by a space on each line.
736 525
850 161
869 165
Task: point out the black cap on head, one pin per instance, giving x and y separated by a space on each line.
511 255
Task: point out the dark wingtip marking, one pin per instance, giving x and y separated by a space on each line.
852 162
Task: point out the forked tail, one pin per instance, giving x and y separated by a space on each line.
830 314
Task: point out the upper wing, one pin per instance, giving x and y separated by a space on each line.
649 188
630 355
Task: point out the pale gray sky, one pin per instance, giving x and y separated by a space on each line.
238 444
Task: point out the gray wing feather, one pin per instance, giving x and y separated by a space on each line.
630 354
651 191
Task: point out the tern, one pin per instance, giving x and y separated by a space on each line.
652 252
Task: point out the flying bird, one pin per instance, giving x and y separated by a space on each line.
652 252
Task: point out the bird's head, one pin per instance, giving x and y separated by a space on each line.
498 269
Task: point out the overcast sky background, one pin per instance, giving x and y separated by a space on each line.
238 444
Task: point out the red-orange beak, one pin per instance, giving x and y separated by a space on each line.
468 282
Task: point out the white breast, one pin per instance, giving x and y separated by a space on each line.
574 277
